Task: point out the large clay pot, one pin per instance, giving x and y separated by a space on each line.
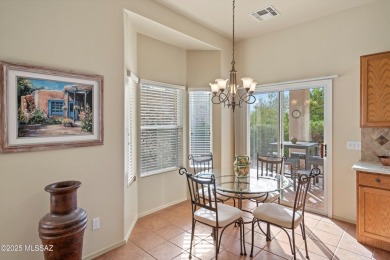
62 229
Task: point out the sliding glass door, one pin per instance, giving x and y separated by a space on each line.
291 120
264 119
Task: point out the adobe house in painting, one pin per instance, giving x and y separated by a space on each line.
56 103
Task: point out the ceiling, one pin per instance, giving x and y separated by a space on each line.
217 14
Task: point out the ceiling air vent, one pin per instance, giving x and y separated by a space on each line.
265 13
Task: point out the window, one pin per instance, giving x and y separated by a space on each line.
130 120
200 122
161 127
55 107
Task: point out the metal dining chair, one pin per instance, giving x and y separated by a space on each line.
285 217
267 166
293 165
315 162
201 162
204 162
207 210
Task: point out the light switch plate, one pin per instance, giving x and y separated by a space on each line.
95 223
353 145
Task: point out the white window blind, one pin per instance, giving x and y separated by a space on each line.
200 122
131 123
161 127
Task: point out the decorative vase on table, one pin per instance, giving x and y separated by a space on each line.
241 166
62 229
293 140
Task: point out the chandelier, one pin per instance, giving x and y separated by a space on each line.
231 94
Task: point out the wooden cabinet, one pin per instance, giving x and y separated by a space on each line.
373 209
375 90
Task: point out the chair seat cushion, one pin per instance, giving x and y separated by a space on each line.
277 214
226 215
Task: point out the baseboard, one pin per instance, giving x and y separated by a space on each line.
104 250
344 219
160 208
127 236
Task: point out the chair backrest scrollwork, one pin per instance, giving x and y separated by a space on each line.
269 166
201 162
301 193
202 191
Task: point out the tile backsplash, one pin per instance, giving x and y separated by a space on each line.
375 140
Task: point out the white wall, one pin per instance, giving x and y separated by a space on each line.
328 46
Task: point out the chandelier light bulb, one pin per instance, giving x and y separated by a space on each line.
247 83
222 84
214 87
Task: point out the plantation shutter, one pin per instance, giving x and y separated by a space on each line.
161 127
131 124
200 122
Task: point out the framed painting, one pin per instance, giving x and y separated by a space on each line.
45 109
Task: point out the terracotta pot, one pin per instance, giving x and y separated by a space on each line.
62 229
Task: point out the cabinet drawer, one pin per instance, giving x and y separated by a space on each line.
374 180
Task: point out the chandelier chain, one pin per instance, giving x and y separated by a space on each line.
232 95
233 61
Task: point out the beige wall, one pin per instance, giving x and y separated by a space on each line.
332 45
223 140
83 36
87 36
203 67
160 62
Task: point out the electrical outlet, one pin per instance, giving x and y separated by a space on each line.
353 145
95 223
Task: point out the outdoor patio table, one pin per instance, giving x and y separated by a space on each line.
300 145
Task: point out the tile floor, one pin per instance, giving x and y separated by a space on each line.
166 234
315 197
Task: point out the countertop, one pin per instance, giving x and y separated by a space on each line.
374 167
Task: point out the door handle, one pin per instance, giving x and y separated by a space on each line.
323 150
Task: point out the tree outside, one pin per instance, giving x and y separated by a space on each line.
264 124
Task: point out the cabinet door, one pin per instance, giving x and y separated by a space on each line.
375 90
374 214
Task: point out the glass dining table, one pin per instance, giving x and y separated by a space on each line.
249 187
